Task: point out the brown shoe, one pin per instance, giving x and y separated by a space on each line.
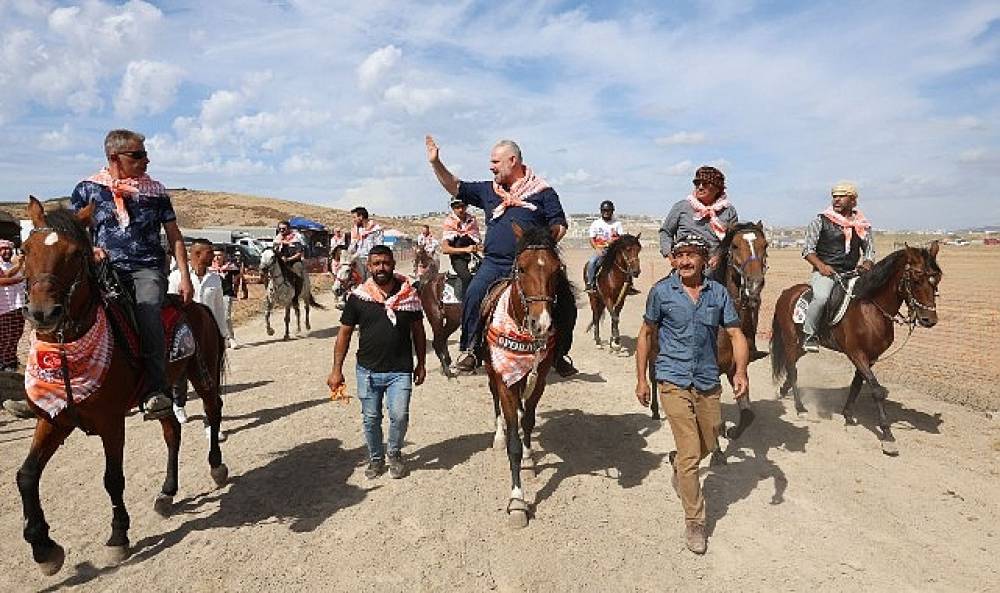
694 535
466 363
564 366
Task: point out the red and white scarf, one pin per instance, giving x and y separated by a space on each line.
711 212
455 227
359 234
406 299
123 189
512 352
520 190
857 223
89 359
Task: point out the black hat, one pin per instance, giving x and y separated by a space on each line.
690 241
607 204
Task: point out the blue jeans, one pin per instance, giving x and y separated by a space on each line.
593 265
489 272
149 285
395 388
822 286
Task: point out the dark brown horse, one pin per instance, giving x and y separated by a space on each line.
910 275
618 271
741 269
63 304
530 298
444 318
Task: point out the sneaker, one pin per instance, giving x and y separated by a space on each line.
564 366
182 416
156 405
810 344
694 536
397 468
466 362
208 434
18 408
374 469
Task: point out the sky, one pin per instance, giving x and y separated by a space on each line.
328 102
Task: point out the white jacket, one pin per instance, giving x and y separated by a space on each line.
208 292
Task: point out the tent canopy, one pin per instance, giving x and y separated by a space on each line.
304 224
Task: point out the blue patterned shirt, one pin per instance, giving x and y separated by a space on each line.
136 246
688 331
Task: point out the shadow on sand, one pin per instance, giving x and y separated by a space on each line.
828 403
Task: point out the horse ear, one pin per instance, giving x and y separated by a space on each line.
760 225
86 215
518 231
638 235
36 212
935 246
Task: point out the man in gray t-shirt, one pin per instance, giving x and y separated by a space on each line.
706 212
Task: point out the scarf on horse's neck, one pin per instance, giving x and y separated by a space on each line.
89 358
359 234
457 227
711 212
406 299
520 190
512 351
856 223
123 189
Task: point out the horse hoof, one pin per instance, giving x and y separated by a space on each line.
54 563
850 421
220 474
599 346
118 554
517 519
163 505
527 463
889 448
270 331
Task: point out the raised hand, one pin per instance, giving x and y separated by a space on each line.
432 148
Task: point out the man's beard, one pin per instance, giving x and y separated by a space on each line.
382 277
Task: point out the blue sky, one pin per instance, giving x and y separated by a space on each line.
328 102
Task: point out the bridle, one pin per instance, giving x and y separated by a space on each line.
740 268
84 270
527 299
913 304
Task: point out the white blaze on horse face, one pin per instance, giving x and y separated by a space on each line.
52 238
750 238
544 321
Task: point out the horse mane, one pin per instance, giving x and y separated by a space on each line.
535 236
614 249
869 283
726 243
63 220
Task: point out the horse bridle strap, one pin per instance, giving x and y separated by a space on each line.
520 291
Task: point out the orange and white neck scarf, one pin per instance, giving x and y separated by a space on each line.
520 190
512 350
856 223
123 189
455 227
89 359
359 234
406 299
711 212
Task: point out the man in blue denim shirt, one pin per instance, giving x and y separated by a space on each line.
687 310
387 309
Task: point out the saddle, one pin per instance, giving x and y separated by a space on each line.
836 306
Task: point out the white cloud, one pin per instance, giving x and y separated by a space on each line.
304 163
147 88
221 106
375 67
417 101
681 138
573 177
684 167
54 140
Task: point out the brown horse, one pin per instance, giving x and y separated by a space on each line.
443 317
618 271
63 304
530 296
910 275
741 269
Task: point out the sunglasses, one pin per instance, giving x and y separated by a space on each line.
701 182
135 154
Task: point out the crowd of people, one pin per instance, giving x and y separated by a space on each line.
684 311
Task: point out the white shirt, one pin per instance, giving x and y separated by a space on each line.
11 296
428 243
603 232
208 292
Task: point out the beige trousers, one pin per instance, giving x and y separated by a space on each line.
696 421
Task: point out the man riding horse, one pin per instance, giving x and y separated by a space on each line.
706 212
836 240
516 195
603 231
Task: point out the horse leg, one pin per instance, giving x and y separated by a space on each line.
114 483
440 345
499 437
288 314
791 383
596 309
616 337
267 316
48 554
298 317
880 393
852 396
172 435
528 421
308 326
517 508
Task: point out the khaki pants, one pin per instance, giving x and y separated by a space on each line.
696 420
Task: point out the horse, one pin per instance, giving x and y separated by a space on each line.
443 317
345 277
518 321
64 305
741 269
285 287
615 277
910 275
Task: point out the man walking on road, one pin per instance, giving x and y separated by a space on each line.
687 309
387 309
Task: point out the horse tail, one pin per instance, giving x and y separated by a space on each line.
312 302
778 346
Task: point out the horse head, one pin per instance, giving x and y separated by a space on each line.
627 249
342 273
745 250
536 270
267 259
57 267
919 284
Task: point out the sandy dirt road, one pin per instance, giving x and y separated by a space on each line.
803 505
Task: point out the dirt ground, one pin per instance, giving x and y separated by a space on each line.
803 504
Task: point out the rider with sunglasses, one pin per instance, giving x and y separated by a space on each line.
706 212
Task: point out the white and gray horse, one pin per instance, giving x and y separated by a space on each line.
286 285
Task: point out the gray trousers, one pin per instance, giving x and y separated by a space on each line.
150 287
822 286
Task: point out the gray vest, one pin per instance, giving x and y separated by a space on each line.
830 247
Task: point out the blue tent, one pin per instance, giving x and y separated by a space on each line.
304 224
